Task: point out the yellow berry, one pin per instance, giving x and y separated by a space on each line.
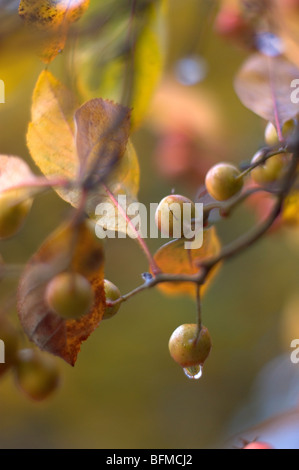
188 350
271 135
36 374
223 181
269 171
112 292
174 215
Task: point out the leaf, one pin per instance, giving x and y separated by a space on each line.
264 86
105 70
103 129
71 247
103 147
51 133
17 180
148 60
174 258
53 18
13 171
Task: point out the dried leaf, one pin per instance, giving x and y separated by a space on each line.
174 258
103 129
72 248
264 86
53 18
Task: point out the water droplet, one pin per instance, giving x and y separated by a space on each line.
193 372
191 70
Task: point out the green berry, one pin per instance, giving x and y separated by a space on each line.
36 374
70 295
223 181
188 350
172 217
112 292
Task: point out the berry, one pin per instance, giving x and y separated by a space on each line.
269 171
12 213
36 374
188 350
223 181
271 135
257 445
70 295
173 217
112 293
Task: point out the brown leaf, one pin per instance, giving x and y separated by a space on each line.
53 18
103 130
71 247
174 258
264 86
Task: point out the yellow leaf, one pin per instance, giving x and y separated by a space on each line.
51 133
103 148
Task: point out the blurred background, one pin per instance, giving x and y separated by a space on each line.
125 390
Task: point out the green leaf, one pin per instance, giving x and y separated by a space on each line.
117 74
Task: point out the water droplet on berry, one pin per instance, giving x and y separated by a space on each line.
193 372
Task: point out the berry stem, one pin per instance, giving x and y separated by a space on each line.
229 251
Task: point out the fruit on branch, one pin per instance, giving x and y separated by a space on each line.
271 134
36 374
112 292
223 181
174 215
188 348
10 339
269 171
70 295
12 213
